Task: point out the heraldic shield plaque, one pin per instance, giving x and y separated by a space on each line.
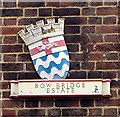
50 58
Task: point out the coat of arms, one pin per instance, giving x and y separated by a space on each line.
47 48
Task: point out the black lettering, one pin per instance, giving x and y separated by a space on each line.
48 84
72 85
36 85
62 90
48 90
57 85
67 89
53 90
63 85
42 85
72 90
83 85
78 85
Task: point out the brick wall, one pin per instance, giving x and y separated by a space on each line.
91 34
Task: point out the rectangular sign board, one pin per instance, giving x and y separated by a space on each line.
58 88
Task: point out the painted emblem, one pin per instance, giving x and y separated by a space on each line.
47 48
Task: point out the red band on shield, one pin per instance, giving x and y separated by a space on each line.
47 46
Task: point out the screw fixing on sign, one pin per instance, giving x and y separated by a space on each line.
47 48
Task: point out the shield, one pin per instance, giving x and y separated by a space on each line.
47 48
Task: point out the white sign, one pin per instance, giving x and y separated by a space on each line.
55 88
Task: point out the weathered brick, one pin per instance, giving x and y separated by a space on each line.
111 56
53 4
107 65
109 74
6 113
118 92
6 94
30 75
110 111
11 48
95 20
27 21
8 22
75 65
23 3
87 47
88 11
88 29
72 29
115 84
75 20
88 65
67 103
12 104
107 102
31 112
24 57
30 66
45 11
96 56
113 93
54 112
107 11
4 85
73 47
108 47
30 12
9 57
93 3
66 11
110 3
26 49
9 4
9 40
109 20
10 30
12 12
107 29
47 103
87 102
111 38
77 74
74 112
12 67
10 76
93 38
95 74
31 103
95 112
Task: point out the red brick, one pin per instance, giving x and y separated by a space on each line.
9 31
95 74
109 74
8 22
30 12
109 20
75 65
31 112
9 40
96 57
75 20
88 29
12 104
95 20
74 112
110 3
24 3
54 112
10 76
8 112
45 12
111 56
88 65
30 67
53 4
93 3
107 29
110 111
107 65
77 75
24 57
107 102
107 11
95 112
9 57
20 40
87 47
113 93
31 103
12 12
73 47
87 102
72 29
6 94
9 4
26 49
4 85
111 38
115 84
12 67
66 11
88 11
108 47
67 103
11 48
27 21
47 103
